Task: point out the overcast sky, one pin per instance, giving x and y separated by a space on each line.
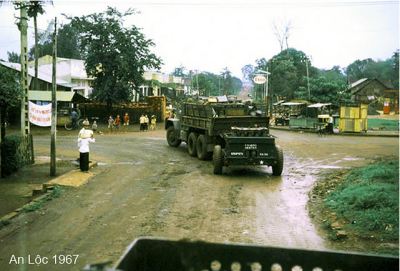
210 35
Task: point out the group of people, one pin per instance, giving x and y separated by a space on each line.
116 123
144 122
86 135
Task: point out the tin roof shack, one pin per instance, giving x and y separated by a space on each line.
66 95
368 91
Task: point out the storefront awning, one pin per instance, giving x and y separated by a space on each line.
61 96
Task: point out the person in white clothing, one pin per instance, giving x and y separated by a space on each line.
83 144
85 137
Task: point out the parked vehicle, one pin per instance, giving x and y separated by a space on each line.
232 133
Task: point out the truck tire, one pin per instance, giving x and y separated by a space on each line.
191 144
173 137
201 147
217 160
278 167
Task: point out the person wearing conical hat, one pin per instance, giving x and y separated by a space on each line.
85 137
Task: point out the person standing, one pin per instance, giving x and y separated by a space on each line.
126 119
141 122
110 123
85 137
74 119
94 126
117 122
146 123
153 122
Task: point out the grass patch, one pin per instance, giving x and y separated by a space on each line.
368 199
38 204
383 124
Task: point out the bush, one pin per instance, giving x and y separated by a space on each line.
10 162
15 153
369 199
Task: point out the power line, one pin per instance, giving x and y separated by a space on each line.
250 3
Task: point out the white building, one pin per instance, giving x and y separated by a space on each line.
149 90
71 71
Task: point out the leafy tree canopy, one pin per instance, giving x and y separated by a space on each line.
114 55
288 78
13 57
211 84
287 71
67 42
387 71
10 91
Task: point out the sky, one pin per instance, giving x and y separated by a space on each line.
209 35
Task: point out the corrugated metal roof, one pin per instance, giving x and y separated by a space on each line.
292 103
318 105
42 76
61 96
352 85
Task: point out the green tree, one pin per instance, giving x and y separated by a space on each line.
10 94
383 70
13 57
67 42
287 69
114 55
327 86
211 84
35 7
394 62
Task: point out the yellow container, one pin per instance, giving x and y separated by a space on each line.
352 125
350 112
364 111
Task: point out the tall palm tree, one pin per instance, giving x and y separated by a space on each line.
35 8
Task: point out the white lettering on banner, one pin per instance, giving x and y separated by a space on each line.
40 115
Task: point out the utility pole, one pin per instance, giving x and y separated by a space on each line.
308 81
23 28
197 82
53 105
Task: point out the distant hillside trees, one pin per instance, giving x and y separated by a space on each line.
387 71
288 78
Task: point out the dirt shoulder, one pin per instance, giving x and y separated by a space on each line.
20 187
333 227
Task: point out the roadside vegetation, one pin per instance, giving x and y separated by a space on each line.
39 202
360 205
383 124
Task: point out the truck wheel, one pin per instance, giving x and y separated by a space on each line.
217 160
201 147
278 167
191 144
173 137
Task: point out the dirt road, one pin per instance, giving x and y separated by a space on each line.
142 187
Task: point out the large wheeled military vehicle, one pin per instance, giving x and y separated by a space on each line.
231 133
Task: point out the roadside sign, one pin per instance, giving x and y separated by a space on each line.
259 79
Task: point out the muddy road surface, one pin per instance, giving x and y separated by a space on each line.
143 187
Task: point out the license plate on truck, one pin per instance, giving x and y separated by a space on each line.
250 146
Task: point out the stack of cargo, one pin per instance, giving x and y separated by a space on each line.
353 118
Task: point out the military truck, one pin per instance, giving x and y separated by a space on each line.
231 133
